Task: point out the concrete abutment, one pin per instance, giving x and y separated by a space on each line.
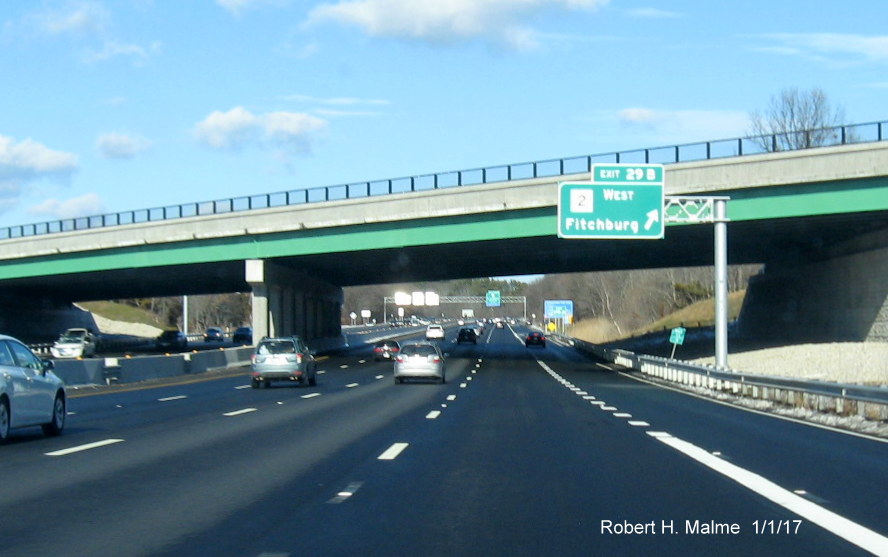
841 297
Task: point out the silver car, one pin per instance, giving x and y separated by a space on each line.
30 393
75 343
283 358
420 359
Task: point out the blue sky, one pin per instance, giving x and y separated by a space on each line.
108 105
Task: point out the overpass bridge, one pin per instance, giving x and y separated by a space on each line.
817 218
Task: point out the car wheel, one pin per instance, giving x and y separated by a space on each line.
255 383
59 412
4 421
313 380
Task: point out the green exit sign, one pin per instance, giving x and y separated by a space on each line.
623 201
627 174
493 299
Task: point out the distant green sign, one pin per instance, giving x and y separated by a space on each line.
621 202
677 336
493 299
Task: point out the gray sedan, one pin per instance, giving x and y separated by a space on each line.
421 360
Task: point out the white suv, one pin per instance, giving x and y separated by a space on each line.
434 332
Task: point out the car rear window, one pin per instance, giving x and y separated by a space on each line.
419 350
276 347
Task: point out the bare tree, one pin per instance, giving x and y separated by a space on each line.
797 120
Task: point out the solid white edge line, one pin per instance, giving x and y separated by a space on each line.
86 447
754 410
392 452
851 531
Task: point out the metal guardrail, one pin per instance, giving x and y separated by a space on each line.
711 377
688 152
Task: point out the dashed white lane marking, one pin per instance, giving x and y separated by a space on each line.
242 387
451 397
851 531
171 398
344 495
311 395
380 376
352 385
392 452
240 412
622 415
433 415
87 447
638 423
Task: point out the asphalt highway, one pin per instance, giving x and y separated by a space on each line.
524 451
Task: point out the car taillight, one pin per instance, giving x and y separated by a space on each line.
299 358
436 360
400 358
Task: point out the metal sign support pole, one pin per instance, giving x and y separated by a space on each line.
721 284
697 210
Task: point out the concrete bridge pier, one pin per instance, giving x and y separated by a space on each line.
288 302
838 294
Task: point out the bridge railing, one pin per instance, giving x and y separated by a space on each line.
688 152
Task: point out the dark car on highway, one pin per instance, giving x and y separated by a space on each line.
243 335
386 350
467 334
214 334
535 339
171 340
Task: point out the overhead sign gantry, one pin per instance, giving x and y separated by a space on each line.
627 202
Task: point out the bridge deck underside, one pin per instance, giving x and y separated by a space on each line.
774 240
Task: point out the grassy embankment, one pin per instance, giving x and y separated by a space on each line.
121 312
700 314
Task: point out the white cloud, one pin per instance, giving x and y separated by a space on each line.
833 47
338 106
237 7
638 116
684 125
85 205
112 49
503 21
121 146
287 133
30 160
228 130
73 18
653 13
25 162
